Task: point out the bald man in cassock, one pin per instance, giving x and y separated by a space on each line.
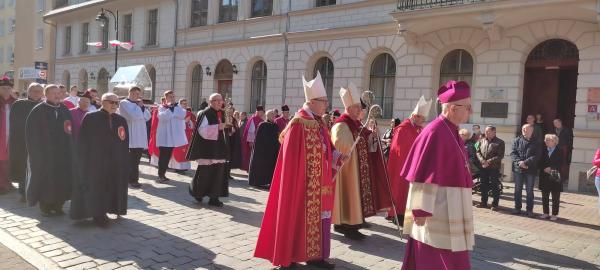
104 164
439 209
17 147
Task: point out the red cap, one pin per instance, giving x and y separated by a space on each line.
453 91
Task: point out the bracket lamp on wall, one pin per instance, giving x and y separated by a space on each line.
208 73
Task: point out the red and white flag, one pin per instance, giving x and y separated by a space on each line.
125 45
97 44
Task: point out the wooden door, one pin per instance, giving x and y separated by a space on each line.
540 94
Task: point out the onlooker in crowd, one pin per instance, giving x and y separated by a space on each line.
490 154
596 163
565 144
550 180
204 104
94 94
6 101
476 134
538 133
526 152
465 135
73 99
539 121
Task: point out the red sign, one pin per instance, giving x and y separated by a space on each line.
592 108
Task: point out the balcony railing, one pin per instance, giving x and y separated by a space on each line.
409 5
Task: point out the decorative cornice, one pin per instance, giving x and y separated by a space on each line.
111 56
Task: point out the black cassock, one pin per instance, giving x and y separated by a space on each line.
16 145
235 147
264 157
51 152
101 185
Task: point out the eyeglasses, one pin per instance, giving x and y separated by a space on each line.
112 102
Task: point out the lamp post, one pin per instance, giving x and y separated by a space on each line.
103 20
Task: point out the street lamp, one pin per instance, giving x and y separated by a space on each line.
104 21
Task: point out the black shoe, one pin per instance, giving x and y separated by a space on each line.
215 202
354 235
101 221
339 229
135 185
365 225
323 264
162 179
516 211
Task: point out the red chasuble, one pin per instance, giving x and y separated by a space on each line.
246 150
403 139
302 188
180 152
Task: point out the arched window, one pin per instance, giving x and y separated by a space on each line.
457 65
152 74
325 67
383 82
258 92
196 87
102 81
83 80
224 78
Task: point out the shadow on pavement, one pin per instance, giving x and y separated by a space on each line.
494 252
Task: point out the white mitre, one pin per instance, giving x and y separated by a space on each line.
423 107
314 89
350 96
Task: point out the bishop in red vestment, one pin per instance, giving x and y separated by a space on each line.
439 209
403 138
297 221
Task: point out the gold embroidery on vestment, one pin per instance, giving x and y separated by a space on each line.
314 152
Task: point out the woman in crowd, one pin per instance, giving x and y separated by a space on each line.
550 178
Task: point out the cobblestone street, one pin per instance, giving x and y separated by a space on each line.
166 229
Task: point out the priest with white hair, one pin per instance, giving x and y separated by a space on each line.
297 221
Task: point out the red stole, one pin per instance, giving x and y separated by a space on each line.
302 188
152 149
402 140
180 152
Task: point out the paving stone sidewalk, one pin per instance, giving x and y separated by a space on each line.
166 229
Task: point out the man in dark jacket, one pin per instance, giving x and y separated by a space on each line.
565 145
490 154
525 154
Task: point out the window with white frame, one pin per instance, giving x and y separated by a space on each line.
228 10
152 27
67 44
39 38
127 27
199 13
40 5
85 37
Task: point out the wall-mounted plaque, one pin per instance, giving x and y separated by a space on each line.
593 95
494 109
496 93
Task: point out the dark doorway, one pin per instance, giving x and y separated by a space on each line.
550 86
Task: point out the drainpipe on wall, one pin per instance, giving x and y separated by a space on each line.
173 63
285 56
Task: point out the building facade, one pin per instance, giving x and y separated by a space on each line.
7 37
35 42
521 57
